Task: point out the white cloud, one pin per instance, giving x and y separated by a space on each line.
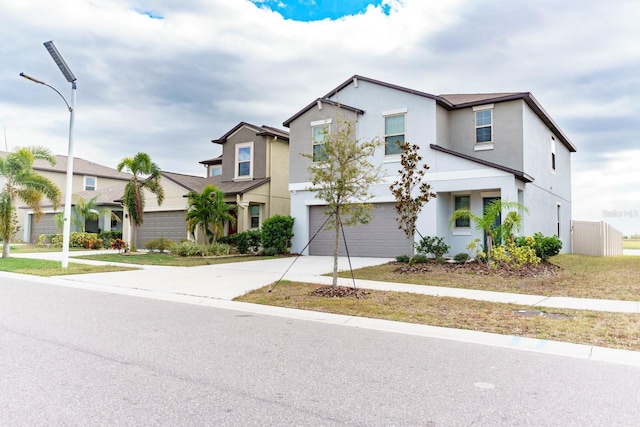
168 86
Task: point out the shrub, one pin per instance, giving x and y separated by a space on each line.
461 258
84 240
43 240
187 249
119 244
247 240
419 259
433 245
277 233
270 251
161 244
544 246
109 236
403 258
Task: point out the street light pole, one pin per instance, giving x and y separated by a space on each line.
71 78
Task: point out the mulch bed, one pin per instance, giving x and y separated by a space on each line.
339 292
542 269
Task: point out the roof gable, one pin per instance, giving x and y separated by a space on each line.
259 130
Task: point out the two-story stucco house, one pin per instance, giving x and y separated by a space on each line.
479 147
253 172
89 180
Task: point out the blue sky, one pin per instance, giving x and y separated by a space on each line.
313 10
167 77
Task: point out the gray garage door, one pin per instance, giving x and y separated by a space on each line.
170 225
46 225
380 238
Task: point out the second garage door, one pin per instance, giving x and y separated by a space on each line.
170 225
380 238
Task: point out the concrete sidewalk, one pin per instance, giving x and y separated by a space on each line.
228 281
216 285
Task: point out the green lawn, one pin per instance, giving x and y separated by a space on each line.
631 244
40 267
171 260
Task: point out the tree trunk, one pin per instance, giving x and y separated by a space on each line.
5 249
335 249
134 238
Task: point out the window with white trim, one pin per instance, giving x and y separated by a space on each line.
320 131
462 202
215 171
254 216
484 124
244 160
394 130
553 153
90 183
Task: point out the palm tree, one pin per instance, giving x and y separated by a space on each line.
146 175
84 209
487 222
22 183
208 211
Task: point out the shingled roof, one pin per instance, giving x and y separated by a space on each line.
197 183
449 102
81 167
259 130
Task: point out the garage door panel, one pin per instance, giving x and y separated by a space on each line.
170 225
46 225
380 238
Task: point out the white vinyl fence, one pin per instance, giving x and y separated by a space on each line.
595 239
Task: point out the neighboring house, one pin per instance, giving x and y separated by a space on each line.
253 172
89 180
479 147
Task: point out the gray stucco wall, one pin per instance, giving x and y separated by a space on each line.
300 138
507 134
229 153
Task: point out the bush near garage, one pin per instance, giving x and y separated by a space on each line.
193 249
277 232
161 244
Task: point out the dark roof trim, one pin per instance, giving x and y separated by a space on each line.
324 101
274 132
256 183
259 130
533 103
355 78
252 184
518 174
442 101
214 161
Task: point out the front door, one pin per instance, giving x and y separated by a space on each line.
496 223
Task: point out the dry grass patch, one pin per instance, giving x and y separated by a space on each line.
578 276
614 330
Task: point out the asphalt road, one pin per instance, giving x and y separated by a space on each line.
76 357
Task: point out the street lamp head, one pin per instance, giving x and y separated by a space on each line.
59 60
31 78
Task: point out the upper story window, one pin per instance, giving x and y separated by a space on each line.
319 132
215 170
244 160
90 183
484 123
553 153
393 133
462 202
254 214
